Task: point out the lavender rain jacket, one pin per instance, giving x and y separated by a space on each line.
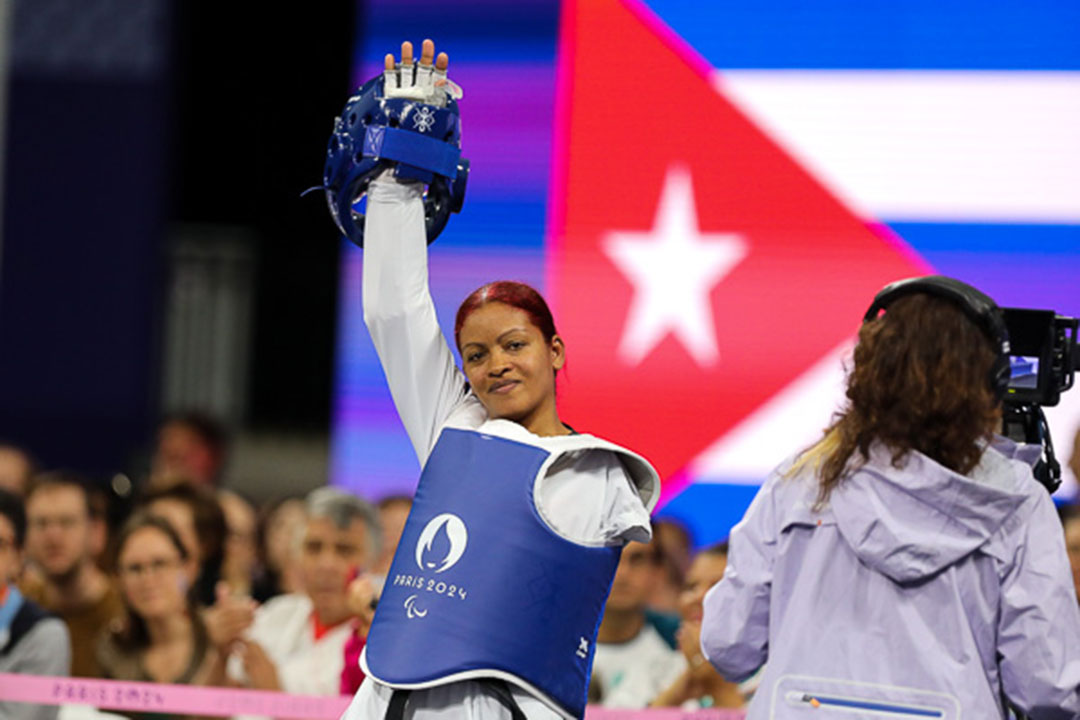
915 592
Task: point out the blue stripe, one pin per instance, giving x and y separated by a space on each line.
490 224
853 34
470 32
1034 266
1042 240
710 510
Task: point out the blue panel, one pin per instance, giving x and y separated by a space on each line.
496 31
1043 241
710 510
1035 266
848 34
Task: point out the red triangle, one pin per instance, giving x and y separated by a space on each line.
634 105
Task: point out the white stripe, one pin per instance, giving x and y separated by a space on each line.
790 421
927 145
793 420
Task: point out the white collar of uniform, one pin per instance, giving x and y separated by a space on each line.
642 474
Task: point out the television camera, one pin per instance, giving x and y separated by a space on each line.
1043 359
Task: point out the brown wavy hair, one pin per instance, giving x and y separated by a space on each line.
920 381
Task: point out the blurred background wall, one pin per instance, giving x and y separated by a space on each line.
156 253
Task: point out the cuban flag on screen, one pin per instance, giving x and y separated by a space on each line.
734 182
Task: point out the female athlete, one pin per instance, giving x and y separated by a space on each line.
491 606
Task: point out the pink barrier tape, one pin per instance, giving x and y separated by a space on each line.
597 713
224 702
151 697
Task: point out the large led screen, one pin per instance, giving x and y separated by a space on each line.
710 194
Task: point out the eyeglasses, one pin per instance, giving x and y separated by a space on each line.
155 567
64 522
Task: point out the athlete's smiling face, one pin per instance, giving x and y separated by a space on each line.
510 366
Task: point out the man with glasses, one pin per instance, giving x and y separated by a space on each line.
62 539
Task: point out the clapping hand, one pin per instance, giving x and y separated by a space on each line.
228 619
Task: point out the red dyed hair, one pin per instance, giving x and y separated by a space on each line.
514 294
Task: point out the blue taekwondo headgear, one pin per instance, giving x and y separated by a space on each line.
374 132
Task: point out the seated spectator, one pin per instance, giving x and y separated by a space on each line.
31 641
280 523
633 662
699 685
196 516
61 539
191 447
161 637
16 469
297 642
675 545
675 541
241 555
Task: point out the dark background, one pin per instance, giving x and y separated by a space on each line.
126 119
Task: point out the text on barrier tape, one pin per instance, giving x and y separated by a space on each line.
225 702
152 697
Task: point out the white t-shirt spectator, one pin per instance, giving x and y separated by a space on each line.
631 674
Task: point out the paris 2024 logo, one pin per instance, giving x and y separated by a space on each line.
439 547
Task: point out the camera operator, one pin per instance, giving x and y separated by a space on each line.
908 561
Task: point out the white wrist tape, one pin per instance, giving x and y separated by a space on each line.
420 82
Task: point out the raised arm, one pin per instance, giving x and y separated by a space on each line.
400 314
398 309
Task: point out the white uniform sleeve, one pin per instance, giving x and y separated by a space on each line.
588 497
400 315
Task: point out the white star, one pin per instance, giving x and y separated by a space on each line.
673 268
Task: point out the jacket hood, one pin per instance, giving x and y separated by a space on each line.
910 522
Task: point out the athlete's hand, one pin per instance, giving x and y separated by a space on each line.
426 81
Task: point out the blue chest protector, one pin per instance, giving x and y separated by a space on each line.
480 586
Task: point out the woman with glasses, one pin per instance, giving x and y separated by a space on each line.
162 637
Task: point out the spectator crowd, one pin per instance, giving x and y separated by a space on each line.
194 584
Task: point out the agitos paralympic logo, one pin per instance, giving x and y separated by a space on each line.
440 546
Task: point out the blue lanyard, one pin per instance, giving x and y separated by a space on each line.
7 613
869 706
